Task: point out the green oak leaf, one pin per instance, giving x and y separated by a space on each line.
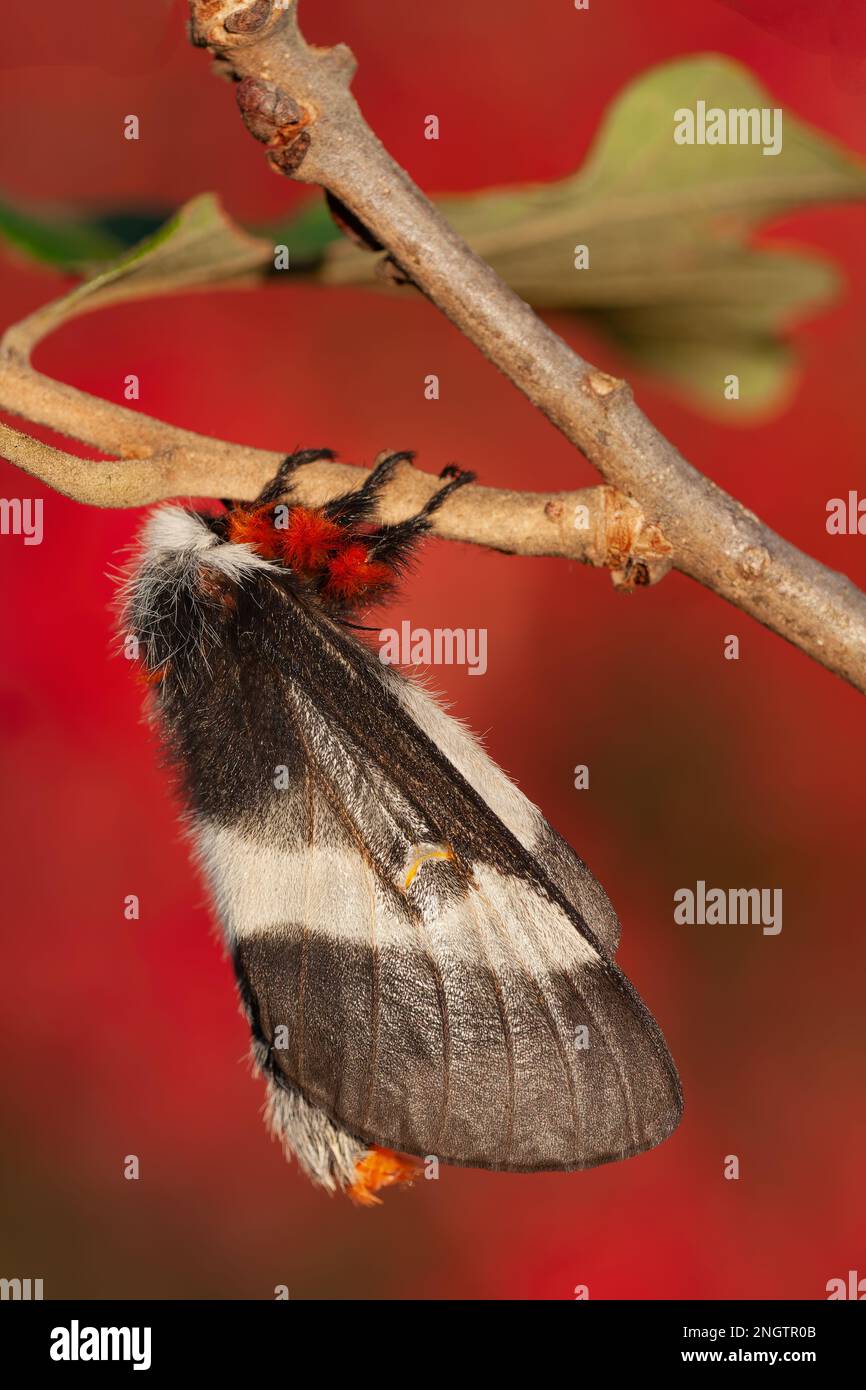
675 277
196 249
63 242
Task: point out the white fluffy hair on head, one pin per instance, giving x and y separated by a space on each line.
174 530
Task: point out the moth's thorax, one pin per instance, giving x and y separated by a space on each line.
337 562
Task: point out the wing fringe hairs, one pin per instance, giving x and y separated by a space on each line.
426 966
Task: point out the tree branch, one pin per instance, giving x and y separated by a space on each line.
596 525
656 510
296 99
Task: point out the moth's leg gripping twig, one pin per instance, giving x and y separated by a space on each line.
277 487
394 543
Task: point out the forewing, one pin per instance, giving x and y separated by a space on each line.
415 970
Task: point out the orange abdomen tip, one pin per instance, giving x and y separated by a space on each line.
381 1168
154 677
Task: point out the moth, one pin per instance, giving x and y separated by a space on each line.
426 966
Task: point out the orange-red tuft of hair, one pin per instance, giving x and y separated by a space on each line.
255 528
308 540
351 572
381 1168
311 543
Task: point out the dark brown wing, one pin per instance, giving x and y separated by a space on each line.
417 971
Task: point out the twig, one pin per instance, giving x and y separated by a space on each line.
296 99
594 525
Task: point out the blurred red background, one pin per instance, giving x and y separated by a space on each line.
124 1037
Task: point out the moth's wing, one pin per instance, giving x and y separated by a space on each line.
516 811
457 1007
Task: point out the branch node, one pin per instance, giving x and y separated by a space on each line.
269 113
287 157
248 20
635 551
602 385
754 561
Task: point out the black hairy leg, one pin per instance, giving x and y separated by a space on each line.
336 553
276 488
351 508
393 545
